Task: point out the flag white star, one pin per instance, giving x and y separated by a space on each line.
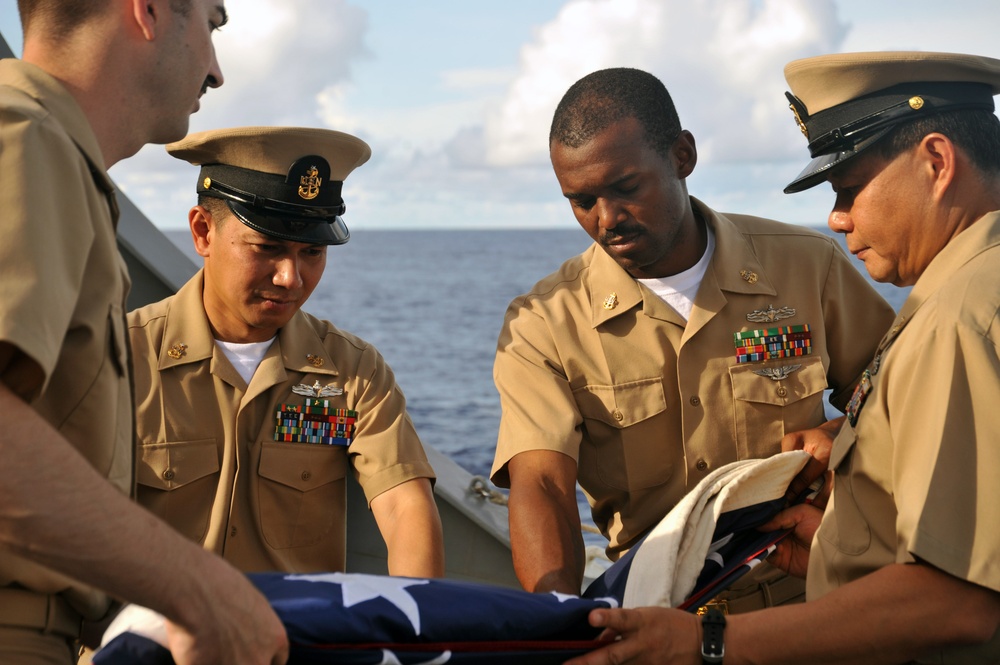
389 658
358 588
563 597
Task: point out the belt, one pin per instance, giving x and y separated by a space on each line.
20 608
784 590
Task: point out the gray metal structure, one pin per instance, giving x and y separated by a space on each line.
477 539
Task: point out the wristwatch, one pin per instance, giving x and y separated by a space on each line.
713 623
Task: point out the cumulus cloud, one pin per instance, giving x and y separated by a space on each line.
721 59
282 60
469 148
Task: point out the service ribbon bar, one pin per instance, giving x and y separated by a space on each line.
773 343
315 422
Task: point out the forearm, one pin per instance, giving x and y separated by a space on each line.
411 527
56 510
894 615
546 541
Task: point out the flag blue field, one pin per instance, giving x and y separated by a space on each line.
381 620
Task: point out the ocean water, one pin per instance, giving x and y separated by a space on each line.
432 302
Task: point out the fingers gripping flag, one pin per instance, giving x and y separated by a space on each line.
381 620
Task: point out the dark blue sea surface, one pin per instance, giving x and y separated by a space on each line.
432 302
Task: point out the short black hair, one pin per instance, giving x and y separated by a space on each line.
216 207
607 96
975 131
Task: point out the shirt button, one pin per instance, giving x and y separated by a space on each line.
781 391
306 475
232 532
701 465
695 401
168 474
618 415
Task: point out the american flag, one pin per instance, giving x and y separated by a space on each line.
381 620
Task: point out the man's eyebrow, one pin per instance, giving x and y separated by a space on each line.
617 183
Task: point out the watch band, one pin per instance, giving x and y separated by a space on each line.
713 624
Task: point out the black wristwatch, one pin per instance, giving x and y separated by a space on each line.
713 623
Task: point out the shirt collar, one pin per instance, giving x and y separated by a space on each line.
613 291
48 92
187 326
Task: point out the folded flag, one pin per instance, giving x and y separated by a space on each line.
381 620
708 541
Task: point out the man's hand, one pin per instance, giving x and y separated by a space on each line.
238 627
792 553
818 442
652 635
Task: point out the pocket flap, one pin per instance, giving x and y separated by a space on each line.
304 466
807 380
842 444
171 465
622 405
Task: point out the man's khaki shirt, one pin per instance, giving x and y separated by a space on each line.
62 288
594 365
916 478
208 461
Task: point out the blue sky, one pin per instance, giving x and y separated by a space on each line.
455 96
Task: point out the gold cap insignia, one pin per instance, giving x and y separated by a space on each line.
206 183
314 360
309 183
798 121
749 276
611 301
178 350
916 103
316 390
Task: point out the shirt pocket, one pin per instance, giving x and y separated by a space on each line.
177 481
300 491
766 409
623 441
844 525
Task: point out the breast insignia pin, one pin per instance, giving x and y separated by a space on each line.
611 301
770 314
178 350
316 390
748 276
314 360
777 373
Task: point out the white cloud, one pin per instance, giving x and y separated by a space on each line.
466 145
721 59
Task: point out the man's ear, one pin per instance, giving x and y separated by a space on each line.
940 158
145 13
685 153
202 229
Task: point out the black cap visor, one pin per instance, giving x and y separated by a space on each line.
818 170
313 231
843 131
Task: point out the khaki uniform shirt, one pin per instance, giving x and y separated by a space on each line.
208 462
916 478
594 365
62 288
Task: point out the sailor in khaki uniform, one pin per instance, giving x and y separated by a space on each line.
904 564
70 536
681 341
251 413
